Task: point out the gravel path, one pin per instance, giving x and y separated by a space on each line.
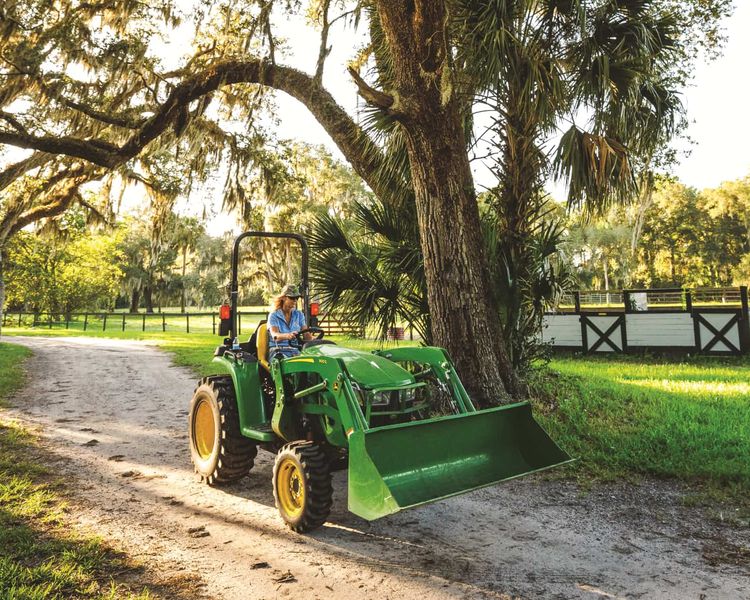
114 413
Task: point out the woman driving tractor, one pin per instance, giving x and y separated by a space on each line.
285 323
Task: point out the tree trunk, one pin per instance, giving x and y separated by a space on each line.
672 266
148 298
645 200
605 264
464 318
273 288
184 266
135 299
2 288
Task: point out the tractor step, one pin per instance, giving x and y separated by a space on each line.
263 432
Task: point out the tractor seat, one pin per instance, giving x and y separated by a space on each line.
261 343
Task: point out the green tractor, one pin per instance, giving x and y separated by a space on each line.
399 420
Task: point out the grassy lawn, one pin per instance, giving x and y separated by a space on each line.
11 373
627 416
40 557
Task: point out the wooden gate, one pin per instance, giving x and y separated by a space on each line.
717 331
603 333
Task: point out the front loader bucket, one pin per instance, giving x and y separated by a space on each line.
400 466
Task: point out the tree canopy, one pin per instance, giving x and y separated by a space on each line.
688 237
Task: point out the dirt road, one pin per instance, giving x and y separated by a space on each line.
115 413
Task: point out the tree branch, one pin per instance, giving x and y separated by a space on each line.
15 123
325 49
59 204
104 117
89 150
102 218
371 95
365 157
14 171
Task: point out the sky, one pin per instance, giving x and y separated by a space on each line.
719 111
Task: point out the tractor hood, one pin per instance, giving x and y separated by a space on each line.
367 369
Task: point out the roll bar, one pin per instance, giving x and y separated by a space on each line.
234 286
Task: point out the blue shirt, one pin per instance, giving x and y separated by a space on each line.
296 323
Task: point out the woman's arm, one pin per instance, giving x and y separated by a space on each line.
280 337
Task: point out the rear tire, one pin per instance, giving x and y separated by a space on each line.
220 453
302 486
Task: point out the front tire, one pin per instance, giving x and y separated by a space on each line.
220 453
302 486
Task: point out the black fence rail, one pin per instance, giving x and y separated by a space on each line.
644 300
193 322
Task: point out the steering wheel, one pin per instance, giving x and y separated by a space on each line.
314 330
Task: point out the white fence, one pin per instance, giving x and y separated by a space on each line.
706 330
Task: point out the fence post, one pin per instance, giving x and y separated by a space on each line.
163 322
104 323
143 327
85 321
577 300
20 316
626 301
187 322
688 301
744 325
213 322
123 321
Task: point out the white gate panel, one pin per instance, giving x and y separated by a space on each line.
660 329
562 330
603 323
719 320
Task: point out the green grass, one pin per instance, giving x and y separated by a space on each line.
11 372
629 416
40 557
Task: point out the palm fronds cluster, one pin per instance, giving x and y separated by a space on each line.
371 270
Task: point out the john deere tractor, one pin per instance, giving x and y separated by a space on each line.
399 420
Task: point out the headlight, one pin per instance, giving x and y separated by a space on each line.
381 398
408 395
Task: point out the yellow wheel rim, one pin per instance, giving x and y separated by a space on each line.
204 431
291 488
